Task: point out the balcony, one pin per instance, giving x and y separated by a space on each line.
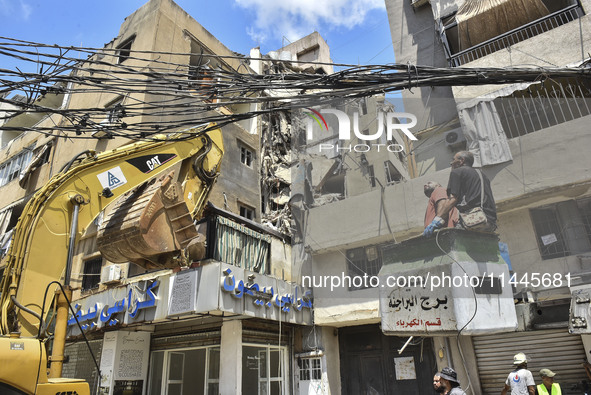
534 28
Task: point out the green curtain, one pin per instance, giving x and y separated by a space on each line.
241 246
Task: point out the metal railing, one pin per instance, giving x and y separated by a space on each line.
543 105
514 36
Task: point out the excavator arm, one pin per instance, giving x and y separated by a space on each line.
135 173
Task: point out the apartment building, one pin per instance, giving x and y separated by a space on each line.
530 140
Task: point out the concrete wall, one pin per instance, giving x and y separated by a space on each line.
538 166
414 40
311 48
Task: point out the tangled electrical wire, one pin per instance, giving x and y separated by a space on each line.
155 96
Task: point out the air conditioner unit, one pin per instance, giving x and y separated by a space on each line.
111 274
454 138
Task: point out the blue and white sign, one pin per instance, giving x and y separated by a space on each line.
112 178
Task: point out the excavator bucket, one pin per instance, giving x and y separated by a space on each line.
148 226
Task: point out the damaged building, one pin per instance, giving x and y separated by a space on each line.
194 329
520 135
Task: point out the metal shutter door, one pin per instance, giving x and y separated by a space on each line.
554 349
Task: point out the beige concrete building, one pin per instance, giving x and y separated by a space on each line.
232 323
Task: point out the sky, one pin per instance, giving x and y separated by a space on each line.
357 31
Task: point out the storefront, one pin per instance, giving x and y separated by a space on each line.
212 329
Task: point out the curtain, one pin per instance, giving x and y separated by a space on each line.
241 246
484 133
481 20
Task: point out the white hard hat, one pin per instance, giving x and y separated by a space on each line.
520 358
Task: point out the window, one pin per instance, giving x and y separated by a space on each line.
372 176
247 212
310 369
12 168
263 370
240 246
363 261
115 110
92 274
124 50
185 371
564 228
246 156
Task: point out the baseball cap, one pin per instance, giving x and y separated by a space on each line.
547 373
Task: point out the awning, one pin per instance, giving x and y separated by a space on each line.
30 168
481 20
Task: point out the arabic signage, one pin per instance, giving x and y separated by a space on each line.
418 309
217 288
265 297
423 309
116 306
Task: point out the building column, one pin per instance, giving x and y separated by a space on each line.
231 358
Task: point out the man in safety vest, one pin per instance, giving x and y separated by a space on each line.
548 386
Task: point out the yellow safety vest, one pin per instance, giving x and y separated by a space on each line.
542 390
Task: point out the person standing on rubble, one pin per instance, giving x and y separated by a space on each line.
464 191
520 381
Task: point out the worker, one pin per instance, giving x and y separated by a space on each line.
548 386
449 380
520 381
464 191
437 195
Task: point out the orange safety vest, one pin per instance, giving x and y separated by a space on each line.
542 390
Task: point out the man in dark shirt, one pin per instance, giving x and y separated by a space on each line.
464 191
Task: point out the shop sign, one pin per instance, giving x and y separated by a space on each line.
112 313
265 297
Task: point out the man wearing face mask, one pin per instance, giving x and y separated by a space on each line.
464 189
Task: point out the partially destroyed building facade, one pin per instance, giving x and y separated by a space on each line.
530 140
211 337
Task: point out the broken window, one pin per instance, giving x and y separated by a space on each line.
246 156
475 32
91 276
115 110
564 228
392 174
11 169
371 175
124 50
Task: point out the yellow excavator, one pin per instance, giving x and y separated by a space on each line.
150 193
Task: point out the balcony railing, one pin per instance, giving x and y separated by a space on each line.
514 36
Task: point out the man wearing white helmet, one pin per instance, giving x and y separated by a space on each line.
520 381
